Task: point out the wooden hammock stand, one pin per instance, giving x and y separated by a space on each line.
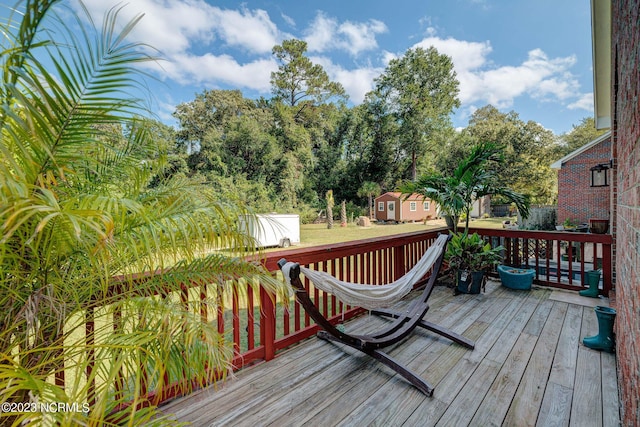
402 325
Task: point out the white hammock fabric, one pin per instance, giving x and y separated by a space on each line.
374 296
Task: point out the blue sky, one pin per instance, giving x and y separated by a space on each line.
530 57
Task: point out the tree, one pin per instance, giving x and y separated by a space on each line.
298 78
304 120
422 91
579 135
471 180
369 189
77 210
329 134
330 204
227 140
227 134
381 152
528 151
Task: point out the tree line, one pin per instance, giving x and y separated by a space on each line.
285 152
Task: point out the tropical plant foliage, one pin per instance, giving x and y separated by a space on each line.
84 205
469 252
471 180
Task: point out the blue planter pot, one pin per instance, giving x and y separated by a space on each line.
516 278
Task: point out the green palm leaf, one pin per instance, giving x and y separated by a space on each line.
77 207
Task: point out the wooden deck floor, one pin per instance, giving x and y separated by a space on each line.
528 368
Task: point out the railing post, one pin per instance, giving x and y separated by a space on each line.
607 269
267 324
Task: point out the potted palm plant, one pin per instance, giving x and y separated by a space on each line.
455 194
470 180
470 257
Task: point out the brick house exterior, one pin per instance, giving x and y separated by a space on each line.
616 42
578 200
392 206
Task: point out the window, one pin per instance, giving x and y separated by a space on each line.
380 206
599 175
426 206
413 206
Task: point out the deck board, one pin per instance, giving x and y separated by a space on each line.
556 403
588 379
528 368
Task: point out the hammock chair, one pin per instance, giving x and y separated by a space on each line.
374 297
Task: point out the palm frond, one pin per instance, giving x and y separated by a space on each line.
64 108
76 208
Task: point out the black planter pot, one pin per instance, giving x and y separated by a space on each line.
472 284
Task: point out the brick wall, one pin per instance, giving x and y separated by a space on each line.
626 131
577 200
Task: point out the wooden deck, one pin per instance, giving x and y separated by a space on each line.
528 368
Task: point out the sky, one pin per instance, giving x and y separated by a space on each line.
533 58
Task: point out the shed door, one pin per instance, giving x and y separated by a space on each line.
391 210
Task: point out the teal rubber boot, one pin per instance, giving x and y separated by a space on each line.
604 340
593 278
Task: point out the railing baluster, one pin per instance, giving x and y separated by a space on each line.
235 310
251 319
267 324
607 269
398 261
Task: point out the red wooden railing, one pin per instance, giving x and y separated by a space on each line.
560 259
281 324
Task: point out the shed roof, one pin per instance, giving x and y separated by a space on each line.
399 195
558 164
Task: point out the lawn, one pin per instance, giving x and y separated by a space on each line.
318 234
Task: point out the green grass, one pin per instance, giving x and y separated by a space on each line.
318 234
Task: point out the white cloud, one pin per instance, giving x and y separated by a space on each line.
192 37
356 82
585 102
359 37
325 33
465 55
177 25
252 30
539 76
289 20
319 35
216 70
